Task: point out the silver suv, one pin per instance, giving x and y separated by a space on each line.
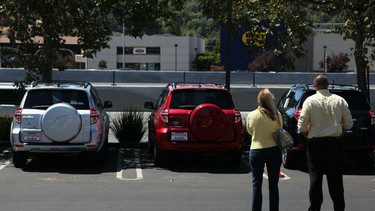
10 97
59 117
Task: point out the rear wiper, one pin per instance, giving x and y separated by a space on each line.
41 106
187 106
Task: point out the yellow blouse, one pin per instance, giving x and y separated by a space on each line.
261 128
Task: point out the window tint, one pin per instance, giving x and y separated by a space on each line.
290 99
42 99
193 98
11 96
95 97
356 100
161 98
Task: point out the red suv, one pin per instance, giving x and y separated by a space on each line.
197 118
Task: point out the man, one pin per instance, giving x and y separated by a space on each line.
324 118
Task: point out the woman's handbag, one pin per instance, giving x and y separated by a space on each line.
283 139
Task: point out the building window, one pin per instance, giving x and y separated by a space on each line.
153 50
128 50
139 66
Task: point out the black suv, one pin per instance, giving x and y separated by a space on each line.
358 143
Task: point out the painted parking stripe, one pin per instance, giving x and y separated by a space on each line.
5 164
282 176
120 168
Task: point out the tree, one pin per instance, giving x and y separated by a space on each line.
288 20
102 64
360 27
90 21
284 23
336 62
264 63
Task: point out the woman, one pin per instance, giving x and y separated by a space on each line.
261 124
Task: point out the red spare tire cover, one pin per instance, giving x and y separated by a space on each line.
208 122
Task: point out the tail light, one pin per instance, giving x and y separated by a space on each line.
94 116
237 116
372 114
18 115
297 113
164 115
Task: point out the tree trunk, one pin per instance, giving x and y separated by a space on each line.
361 66
46 71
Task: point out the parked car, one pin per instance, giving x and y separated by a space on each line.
59 117
195 118
358 142
10 97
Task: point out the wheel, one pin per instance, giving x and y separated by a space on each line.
208 122
291 159
235 158
366 162
61 123
150 144
19 159
159 156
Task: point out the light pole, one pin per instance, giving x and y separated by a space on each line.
228 45
196 56
123 45
306 54
324 59
175 56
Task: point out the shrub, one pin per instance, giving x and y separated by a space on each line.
265 62
102 64
128 126
5 122
336 62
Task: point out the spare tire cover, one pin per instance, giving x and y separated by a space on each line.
61 122
208 122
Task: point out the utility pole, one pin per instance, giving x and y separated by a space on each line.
123 45
229 44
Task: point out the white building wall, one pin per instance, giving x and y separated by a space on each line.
335 44
187 49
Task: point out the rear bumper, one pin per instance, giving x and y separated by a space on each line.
200 147
94 144
55 148
163 142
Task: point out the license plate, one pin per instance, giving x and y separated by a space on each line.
31 137
179 136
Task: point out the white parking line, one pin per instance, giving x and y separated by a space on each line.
137 162
5 164
282 176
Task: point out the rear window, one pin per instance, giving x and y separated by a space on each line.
356 100
193 98
11 96
42 99
290 99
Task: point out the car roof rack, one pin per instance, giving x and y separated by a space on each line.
331 86
58 83
174 84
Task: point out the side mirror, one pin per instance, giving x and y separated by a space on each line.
107 104
149 105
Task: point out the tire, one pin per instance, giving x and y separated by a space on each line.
208 122
291 159
235 159
19 159
61 123
366 162
151 143
159 156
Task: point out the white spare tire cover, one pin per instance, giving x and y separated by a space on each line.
61 122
